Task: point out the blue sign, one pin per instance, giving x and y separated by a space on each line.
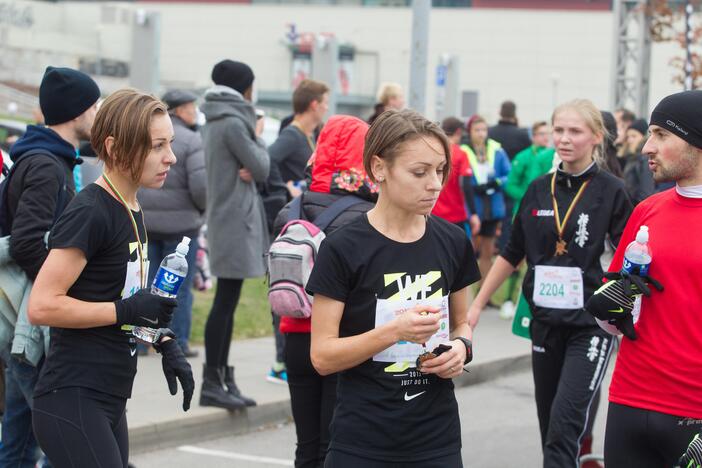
441 72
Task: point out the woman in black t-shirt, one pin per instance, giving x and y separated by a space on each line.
390 286
560 229
91 292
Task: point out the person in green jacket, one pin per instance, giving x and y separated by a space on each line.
530 163
527 165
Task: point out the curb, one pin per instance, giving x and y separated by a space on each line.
165 434
490 370
150 437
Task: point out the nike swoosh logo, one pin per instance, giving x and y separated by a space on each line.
412 397
132 352
616 311
154 321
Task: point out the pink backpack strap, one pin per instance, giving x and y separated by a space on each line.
311 228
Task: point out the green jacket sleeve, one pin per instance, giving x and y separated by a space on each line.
516 182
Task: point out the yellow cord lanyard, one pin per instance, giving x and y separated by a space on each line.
140 248
560 226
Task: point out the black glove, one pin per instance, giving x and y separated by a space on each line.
611 304
145 310
175 366
493 184
692 458
634 283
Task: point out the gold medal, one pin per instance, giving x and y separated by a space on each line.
561 248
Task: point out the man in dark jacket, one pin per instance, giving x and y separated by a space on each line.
177 209
638 178
39 189
513 140
507 132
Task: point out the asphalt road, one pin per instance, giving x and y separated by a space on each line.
498 420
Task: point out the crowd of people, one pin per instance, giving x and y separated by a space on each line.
422 223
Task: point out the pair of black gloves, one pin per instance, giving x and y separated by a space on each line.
144 309
614 301
482 189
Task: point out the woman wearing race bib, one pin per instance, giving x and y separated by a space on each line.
560 228
91 291
389 286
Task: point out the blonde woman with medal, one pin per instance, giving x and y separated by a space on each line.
560 229
92 292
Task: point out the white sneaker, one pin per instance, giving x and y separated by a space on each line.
507 310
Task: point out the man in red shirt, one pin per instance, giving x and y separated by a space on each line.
456 198
656 391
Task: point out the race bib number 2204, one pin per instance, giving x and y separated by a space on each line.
558 287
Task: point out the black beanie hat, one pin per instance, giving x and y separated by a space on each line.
640 126
65 94
681 114
236 75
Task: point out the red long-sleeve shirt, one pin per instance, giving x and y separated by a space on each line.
662 369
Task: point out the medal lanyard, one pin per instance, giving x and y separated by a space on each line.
140 249
560 226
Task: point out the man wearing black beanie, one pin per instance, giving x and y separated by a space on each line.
39 187
655 396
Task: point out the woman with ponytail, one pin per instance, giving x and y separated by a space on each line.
560 229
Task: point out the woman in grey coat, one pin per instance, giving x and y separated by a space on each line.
237 233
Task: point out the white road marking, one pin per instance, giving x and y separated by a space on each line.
235 456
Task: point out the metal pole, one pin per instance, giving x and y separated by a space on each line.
144 69
631 66
325 67
618 63
420 51
688 45
643 62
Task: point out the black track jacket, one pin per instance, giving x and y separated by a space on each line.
604 208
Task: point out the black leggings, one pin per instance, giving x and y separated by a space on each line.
568 365
312 398
220 322
336 459
646 439
82 428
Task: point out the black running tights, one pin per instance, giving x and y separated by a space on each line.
82 428
639 438
220 323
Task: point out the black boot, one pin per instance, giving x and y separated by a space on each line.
232 387
214 392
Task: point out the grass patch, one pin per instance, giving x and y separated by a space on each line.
253 314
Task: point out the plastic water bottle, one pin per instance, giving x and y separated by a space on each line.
637 256
169 277
637 260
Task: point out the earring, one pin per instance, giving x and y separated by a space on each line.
381 179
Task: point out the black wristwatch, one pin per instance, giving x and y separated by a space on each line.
469 349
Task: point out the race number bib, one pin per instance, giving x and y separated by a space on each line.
404 351
132 283
132 279
558 287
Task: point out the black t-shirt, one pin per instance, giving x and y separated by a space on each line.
385 409
101 358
